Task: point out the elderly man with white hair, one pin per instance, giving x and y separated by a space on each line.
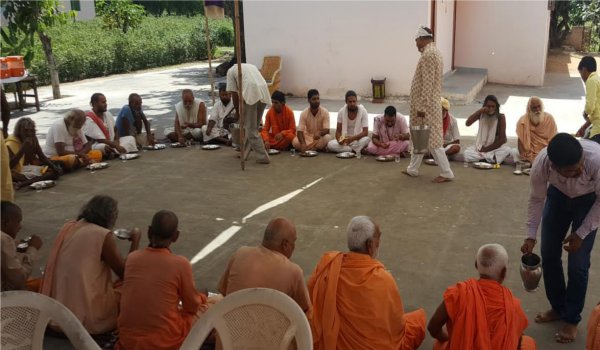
535 129
481 314
356 303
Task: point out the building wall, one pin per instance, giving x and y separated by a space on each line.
338 45
444 24
87 9
509 38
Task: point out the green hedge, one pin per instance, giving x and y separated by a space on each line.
85 50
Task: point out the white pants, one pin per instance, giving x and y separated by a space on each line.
439 155
496 156
356 146
214 133
195 132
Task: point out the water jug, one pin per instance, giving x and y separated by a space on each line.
531 271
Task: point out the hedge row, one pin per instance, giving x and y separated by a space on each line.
85 50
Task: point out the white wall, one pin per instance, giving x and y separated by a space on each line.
334 46
509 38
444 24
88 9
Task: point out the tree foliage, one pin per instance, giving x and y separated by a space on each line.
177 7
567 14
29 18
120 14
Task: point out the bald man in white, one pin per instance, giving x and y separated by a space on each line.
268 265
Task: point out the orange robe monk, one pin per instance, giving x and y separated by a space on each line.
356 305
593 331
155 282
276 123
483 314
533 138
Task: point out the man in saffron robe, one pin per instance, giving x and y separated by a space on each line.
356 303
481 314
535 130
280 126
156 280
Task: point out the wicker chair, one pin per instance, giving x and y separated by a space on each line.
25 316
271 71
255 318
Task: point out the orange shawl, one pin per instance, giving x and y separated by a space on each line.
356 305
534 138
66 231
476 307
279 123
593 334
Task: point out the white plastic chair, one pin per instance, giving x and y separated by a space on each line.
25 316
255 318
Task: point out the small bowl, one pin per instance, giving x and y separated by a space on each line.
122 233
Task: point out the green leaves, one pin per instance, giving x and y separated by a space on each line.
120 14
84 49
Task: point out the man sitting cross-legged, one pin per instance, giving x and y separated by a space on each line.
352 130
268 265
313 129
280 126
481 314
535 130
221 116
490 144
356 300
66 142
28 162
156 281
390 134
190 116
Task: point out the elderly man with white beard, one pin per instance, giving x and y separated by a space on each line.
535 129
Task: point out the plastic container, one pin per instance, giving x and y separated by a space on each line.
4 71
16 66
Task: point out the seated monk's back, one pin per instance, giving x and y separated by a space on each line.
366 301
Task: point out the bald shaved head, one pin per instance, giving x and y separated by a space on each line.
164 224
280 235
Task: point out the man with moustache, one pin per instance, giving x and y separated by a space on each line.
313 129
490 144
100 127
535 129
221 115
130 120
425 95
190 116
352 131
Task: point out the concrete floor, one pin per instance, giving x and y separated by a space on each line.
430 232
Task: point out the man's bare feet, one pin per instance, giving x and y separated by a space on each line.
441 179
547 316
566 334
408 174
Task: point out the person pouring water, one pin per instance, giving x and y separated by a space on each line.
565 193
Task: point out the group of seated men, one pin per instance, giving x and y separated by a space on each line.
83 137
351 300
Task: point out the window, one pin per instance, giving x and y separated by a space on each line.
75 5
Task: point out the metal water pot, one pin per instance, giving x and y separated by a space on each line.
419 135
531 271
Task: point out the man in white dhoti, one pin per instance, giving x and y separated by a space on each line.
352 131
190 116
215 131
490 144
425 95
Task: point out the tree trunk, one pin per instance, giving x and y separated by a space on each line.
47 46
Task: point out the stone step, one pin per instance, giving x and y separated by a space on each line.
461 85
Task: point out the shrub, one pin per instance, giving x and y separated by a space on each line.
85 50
